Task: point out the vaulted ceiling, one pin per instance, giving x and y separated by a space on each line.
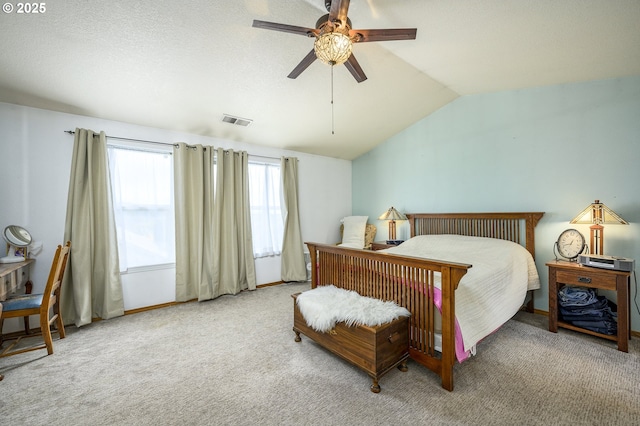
182 65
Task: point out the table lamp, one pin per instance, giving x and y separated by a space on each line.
392 215
598 214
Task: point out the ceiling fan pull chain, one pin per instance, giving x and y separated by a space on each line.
332 115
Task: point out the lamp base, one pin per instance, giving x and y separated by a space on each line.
597 239
392 230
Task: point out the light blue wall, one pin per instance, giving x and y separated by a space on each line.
551 149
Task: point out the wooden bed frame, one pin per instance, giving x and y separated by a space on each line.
409 281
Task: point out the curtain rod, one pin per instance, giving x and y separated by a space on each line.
71 132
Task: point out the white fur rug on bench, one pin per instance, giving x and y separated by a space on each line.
325 306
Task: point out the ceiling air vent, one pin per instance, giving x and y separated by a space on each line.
236 120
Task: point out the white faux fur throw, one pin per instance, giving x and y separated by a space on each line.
325 306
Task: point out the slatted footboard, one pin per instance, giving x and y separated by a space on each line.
408 281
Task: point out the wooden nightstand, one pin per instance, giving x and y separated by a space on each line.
380 245
572 273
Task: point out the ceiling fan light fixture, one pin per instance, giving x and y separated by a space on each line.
333 48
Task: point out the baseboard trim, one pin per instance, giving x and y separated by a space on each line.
269 284
168 304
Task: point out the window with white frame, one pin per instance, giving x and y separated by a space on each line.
267 225
142 187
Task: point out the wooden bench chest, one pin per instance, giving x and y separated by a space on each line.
376 350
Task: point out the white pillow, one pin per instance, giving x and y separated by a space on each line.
354 229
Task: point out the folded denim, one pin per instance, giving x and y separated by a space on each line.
576 296
601 308
592 317
604 327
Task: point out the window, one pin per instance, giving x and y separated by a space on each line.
267 225
142 187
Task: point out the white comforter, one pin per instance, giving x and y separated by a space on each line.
493 289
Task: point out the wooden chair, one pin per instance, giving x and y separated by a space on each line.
47 305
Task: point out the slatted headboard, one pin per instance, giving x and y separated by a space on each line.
516 227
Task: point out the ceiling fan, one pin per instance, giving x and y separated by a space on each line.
334 38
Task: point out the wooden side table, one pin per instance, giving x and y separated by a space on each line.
1 376
380 245
12 277
572 273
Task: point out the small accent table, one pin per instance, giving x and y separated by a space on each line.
1 376
380 245
12 277
572 273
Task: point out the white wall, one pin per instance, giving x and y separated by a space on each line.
551 149
35 159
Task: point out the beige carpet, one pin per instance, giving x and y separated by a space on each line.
234 361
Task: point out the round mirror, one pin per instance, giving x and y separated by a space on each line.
17 236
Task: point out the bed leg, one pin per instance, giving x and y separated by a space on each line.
297 339
403 366
529 306
447 380
375 387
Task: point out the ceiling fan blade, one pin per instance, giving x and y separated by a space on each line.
354 68
309 32
338 11
303 65
363 36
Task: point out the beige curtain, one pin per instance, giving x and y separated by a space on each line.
292 267
92 286
214 254
232 224
193 197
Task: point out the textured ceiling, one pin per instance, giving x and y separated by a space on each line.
182 65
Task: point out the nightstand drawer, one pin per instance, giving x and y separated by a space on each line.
587 278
